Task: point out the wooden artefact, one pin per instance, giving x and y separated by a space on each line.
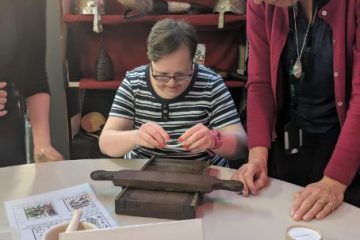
162 204
166 181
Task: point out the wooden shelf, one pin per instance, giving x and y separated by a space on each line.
89 83
199 20
235 83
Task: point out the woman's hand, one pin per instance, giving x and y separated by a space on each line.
3 99
151 135
317 200
197 139
47 154
254 173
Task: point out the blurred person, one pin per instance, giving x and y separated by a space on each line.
23 76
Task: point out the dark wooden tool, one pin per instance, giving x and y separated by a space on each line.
166 181
162 204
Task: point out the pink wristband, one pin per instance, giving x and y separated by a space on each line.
218 138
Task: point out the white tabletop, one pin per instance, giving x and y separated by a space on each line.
226 215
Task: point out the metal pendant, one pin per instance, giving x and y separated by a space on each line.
297 69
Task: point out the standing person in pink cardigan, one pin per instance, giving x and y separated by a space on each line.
304 101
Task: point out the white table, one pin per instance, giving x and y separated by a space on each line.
226 215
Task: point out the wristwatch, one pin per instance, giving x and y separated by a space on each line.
218 138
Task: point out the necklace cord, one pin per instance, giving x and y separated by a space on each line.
311 21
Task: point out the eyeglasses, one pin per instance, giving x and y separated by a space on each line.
177 77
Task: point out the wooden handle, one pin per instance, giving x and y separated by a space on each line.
102 175
230 185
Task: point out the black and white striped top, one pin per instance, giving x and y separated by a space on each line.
206 100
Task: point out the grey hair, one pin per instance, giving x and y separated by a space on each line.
168 35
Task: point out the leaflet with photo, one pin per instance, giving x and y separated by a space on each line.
33 215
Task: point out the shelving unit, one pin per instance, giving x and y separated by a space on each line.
125 41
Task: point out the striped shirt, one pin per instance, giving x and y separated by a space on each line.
206 100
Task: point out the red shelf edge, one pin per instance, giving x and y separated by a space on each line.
234 83
89 83
119 19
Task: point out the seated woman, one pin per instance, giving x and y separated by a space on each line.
173 107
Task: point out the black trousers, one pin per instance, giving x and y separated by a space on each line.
12 132
308 165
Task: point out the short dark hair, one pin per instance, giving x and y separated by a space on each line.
167 35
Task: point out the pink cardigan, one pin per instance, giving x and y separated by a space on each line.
267 30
